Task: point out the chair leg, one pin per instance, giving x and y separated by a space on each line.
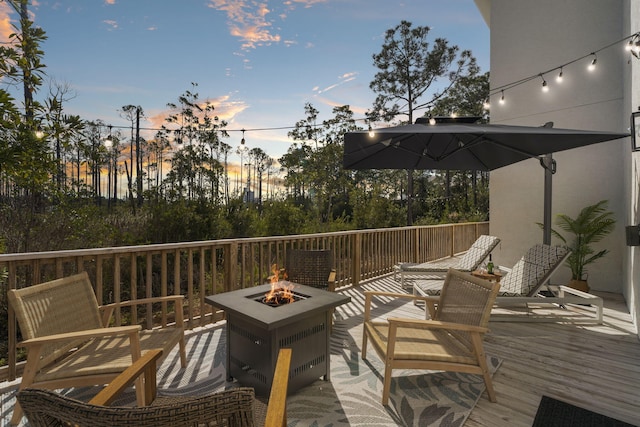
17 414
28 376
489 385
364 344
482 362
386 385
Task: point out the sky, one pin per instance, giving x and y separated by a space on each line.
258 62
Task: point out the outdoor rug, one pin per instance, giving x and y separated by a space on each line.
555 413
351 398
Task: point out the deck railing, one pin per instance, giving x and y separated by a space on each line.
198 269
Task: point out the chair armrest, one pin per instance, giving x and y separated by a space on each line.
434 324
430 301
86 334
277 407
146 365
399 295
168 298
108 309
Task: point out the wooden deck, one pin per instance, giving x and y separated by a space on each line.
593 366
596 367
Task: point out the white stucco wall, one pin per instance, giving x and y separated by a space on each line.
530 37
631 79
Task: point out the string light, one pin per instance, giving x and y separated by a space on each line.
631 43
432 120
371 132
545 87
592 66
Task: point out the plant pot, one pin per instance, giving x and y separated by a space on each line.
580 285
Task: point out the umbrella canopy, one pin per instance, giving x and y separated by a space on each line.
459 146
453 146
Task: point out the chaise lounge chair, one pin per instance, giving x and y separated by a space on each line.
469 262
521 287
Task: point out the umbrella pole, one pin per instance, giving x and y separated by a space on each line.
409 197
549 166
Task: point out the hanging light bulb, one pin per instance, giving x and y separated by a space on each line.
592 66
39 132
486 105
432 120
560 77
109 141
545 87
629 45
371 132
454 115
502 98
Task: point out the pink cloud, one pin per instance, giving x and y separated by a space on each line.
248 20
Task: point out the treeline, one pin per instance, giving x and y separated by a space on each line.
67 182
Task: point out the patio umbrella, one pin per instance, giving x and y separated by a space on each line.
456 146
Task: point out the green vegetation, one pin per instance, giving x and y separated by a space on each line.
592 224
69 183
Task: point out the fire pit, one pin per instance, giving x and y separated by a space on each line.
257 327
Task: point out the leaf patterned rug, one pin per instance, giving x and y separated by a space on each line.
351 398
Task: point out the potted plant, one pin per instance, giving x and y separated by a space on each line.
591 225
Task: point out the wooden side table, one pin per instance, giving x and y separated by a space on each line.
492 277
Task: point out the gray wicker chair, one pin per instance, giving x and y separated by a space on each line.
235 407
312 268
451 340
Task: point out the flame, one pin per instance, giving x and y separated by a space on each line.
280 293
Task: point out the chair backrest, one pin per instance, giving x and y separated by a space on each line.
230 407
477 253
466 299
309 267
533 270
46 408
59 306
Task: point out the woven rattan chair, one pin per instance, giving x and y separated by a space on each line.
468 262
235 407
311 268
69 343
450 341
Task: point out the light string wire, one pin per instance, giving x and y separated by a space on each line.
504 88
501 90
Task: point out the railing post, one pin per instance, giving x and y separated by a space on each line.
357 254
230 262
12 329
453 240
415 242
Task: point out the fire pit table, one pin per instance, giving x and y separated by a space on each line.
257 330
